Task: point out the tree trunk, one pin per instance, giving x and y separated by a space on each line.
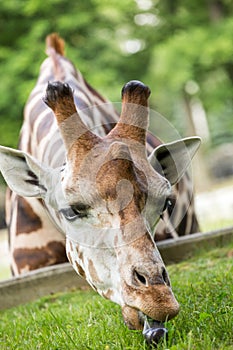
201 177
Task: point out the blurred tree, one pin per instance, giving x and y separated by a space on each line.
194 61
92 30
182 49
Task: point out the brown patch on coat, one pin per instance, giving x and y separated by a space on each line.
93 273
131 318
80 254
71 246
28 221
80 270
70 258
35 258
108 295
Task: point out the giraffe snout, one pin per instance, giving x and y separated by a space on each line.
150 292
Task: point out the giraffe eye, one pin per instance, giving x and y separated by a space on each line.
168 205
74 212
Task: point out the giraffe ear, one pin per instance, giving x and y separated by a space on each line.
22 173
171 160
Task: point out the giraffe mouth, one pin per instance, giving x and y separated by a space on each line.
154 331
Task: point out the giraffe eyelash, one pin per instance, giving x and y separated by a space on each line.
74 212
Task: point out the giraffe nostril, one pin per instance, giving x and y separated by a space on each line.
165 276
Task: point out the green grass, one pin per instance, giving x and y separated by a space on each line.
83 320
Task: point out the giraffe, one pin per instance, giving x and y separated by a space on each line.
34 240
101 191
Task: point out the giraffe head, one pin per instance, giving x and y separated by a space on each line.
109 196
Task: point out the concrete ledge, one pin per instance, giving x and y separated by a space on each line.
38 283
60 278
176 250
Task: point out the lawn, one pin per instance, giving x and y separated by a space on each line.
83 320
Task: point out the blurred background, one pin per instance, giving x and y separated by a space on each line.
182 49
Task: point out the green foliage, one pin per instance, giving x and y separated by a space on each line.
199 48
164 43
83 320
